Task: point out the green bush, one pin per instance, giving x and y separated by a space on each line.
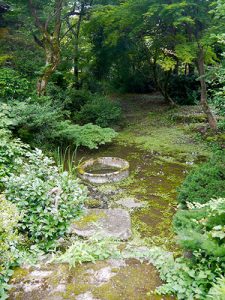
202 227
12 85
100 111
184 278
89 135
184 90
9 218
47 198
205 182
75 99
36 119
42 123
217 292
201 232
11 152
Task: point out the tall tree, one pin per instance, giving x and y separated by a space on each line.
198 33
74 20
49 28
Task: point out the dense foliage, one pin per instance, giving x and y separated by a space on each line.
204 183
200 229
11 152
47 199
9 238
12 85
100 111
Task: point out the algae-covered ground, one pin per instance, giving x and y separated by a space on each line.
161 151
161 147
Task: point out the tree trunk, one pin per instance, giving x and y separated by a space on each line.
201 69
76 59
49 42
163 88
52 59
76 46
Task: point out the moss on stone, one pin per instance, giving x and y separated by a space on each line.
89 218
93 203
20 273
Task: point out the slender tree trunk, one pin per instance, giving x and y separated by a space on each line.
76 66
201 69
52 59
163 88
76 47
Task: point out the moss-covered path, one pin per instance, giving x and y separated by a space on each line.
161 148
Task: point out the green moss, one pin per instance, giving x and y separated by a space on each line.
73 289
19 273
89 218
93 203
157 132
131 282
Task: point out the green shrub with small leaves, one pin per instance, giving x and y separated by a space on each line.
9 238
88 135
205 182
99 110
217 292
11 152
48 199
40 122
202 227
13 85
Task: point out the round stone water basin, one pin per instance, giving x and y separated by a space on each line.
104 170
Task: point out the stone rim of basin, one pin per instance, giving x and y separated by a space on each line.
114 176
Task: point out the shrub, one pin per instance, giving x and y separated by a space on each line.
42 123
185 278
12 85
47 199
75 99
36 120
9 218
11 152
201 231
205 182
217 292
202 227
100 111
89 135
184 90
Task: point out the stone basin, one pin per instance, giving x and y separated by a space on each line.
104 170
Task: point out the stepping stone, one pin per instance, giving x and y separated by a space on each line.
130 203
128 279
113 223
